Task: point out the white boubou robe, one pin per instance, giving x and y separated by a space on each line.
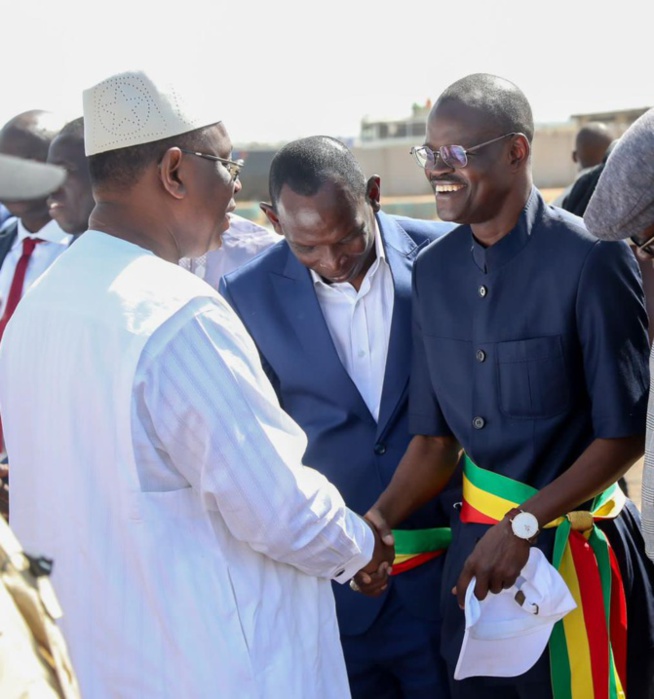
218 587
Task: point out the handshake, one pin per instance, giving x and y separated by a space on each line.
373 579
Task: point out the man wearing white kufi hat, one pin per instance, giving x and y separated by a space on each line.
193 550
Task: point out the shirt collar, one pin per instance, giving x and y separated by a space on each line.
490 258
51 233
380 256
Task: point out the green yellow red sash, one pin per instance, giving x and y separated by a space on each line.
588 646
413 547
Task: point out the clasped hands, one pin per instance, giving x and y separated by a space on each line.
495 562
373 579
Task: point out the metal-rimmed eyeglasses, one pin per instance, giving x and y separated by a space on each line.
452 156
233 167
645 242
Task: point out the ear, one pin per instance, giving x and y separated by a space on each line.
271 216
373 192
170 173
575 157
520 151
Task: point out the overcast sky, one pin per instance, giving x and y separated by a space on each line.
283 69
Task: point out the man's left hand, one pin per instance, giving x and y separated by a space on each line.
496 562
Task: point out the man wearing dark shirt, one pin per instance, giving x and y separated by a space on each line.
530 356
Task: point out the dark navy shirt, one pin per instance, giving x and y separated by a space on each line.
525 351
528 350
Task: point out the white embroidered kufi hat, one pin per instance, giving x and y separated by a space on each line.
133 107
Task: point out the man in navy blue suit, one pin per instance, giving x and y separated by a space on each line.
329 308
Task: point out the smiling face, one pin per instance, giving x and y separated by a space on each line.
479 192
71 205
331 232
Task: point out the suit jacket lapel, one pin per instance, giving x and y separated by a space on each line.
7 238
401 250
300 303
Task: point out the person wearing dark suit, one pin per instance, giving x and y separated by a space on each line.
547 400
582 190
28 135
329 308
7 238
30 241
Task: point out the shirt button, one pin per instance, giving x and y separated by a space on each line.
480 355
483 291
478 422
361 354
380 449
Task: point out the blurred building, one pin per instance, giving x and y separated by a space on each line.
383 146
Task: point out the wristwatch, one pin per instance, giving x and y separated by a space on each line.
523 524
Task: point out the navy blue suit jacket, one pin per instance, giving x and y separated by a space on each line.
7 238
274 296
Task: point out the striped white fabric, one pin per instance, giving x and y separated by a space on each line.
193 549
204 413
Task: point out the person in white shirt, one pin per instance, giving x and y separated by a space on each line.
193 550
243 240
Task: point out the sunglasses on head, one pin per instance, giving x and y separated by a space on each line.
452 156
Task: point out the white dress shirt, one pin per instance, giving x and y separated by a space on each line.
360 324
240 242
56 241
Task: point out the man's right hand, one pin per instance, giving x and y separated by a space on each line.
373 579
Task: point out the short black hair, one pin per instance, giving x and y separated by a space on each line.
121 168
306 164
74 129
501 100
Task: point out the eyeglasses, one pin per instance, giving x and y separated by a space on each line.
233 167
453 156
646 246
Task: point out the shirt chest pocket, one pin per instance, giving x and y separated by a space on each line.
532 377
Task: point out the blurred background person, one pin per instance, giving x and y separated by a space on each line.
577 199
71 205
31 241
591 143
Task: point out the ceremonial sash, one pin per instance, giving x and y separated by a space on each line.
413 547
588 646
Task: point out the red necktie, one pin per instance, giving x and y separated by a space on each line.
16 289
15 293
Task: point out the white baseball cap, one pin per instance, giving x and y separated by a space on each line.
135 107
22 179
507 633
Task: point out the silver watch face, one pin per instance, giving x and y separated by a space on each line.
524 525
